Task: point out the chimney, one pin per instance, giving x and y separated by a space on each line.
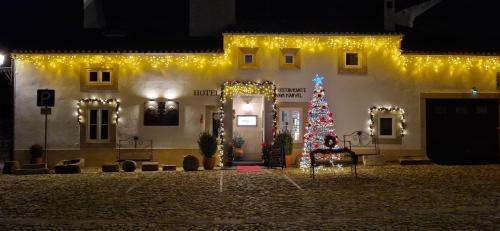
389 15
404 17
210 18
93 14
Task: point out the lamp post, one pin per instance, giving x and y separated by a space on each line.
6 70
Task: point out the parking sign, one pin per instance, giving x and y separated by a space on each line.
45 97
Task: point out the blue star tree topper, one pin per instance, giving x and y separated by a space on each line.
318 79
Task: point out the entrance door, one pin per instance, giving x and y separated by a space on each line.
215 124
462 131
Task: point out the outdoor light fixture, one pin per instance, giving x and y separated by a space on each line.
474 91
247 107
2 58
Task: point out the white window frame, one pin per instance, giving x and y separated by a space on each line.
290 125
99 77
293 59
393 117
245 60
352 66
99 125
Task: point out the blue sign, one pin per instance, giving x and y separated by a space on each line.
45 97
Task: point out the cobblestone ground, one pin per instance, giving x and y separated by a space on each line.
382 198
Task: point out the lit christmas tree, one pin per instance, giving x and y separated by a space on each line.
319 123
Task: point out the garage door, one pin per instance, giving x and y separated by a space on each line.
462 131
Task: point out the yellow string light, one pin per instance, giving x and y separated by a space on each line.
387 46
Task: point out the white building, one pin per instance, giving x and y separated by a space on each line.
143 94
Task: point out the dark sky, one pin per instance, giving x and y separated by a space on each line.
453 25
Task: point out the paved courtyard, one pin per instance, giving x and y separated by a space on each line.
390 197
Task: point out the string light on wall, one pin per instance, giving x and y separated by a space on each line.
97 101
236 87
373 111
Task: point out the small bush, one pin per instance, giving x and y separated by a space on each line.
190 163
284 139
238 141
207 144
129 166
36 151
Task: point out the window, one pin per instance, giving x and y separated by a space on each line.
351 59
98 125
290 120
352 62
288 59
99 77
248 59
386 126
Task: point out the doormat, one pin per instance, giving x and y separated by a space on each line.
250 168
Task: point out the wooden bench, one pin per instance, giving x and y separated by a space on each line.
352 161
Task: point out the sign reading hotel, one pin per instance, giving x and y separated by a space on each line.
284 92
205 93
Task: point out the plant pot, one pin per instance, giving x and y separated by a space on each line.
37 160
290 161
208 163
238 153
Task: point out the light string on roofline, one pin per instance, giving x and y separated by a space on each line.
385 46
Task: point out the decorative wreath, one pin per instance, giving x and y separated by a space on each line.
330 141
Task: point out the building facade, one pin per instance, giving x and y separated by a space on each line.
168 98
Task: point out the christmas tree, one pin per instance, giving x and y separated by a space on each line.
319 123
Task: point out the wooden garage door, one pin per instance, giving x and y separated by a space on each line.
462 131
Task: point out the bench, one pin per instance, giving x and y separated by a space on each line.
352 161
366 146
135 149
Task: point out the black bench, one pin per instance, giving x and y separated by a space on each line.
352 161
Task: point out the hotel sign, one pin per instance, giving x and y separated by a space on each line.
284 92
205 93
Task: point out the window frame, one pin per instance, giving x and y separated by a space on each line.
99 125
99 81
245 59
362 66
393 126
290 121
289 55
358 65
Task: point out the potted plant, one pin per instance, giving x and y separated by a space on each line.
266 149
238 142
36 152
285 140
208 146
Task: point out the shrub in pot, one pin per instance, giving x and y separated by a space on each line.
36 152
285 140
238 142
190 163
208 146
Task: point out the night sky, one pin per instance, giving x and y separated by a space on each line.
452 25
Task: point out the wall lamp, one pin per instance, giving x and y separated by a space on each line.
474 91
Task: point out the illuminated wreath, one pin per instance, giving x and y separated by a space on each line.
330 141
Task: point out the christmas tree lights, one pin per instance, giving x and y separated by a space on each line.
319 124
